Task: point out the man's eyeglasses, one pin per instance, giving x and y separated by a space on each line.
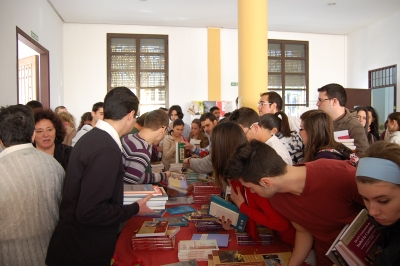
263 103
250 127
322 100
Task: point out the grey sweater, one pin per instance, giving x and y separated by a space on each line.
30 192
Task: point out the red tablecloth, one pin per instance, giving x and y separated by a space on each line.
126 255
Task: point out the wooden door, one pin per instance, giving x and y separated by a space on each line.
358 97
28 79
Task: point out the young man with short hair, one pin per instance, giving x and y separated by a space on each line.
216 112
137 149
332 99
97 114
202 165
60 109
271 102
91 208
318 197
30 190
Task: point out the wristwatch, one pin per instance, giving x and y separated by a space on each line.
189 160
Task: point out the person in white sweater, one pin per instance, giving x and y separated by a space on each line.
249 120
30 191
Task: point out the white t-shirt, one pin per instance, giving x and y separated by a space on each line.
278 146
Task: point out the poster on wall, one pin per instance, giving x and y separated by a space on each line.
201 107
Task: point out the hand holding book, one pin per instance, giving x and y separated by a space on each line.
143 209
236 196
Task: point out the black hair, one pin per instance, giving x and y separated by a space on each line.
119 102
178 110
249 163
212 109
85 117
16 125
206 116
97 106
337 91
374 127
34 104
274 97
270 121
244 116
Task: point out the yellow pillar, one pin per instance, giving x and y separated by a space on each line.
214 64
253 50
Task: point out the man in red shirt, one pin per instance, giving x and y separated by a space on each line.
319 197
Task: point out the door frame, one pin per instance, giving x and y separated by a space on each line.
43 95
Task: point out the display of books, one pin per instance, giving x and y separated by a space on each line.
265 237
202 192
173 221
196 249
180 210
222 239
153 228
156 202
237 258
220 207
357 244
176 167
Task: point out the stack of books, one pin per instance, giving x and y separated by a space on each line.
343 136
157 167
196 249
176 167
155 235
264 233
202 226
203 191
349 143
199 215
246 258
357 244
133 193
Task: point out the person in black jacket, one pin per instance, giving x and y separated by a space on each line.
378 182
49 135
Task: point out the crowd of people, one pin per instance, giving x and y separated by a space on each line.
62 186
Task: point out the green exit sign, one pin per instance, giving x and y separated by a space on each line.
234 83
34 36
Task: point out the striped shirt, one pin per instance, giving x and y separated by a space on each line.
136 154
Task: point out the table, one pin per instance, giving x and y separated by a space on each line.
126 255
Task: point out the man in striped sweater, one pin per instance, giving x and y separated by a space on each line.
30 191
137 148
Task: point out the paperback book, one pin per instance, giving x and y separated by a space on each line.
220 207
180 152
222 239
196 249
180 209
237 258
273 259
178 182
153 228
174 221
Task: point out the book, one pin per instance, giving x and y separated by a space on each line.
155 214
143 189
220 207
281 258
153 228
357 244
173 221
196 249
179 200
222 239
180 209
195 142
332 251
178 182
180 152
237 258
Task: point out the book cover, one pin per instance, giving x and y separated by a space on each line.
196 249
174 221
331 251
153 228
220 207
222 239
359 241
237 258
180 209
143 189
155 214
273 259
178 182
180 152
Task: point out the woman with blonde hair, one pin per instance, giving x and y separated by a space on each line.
197 133
316 130
378 182
69 123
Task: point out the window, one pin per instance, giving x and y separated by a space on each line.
139 62
288 73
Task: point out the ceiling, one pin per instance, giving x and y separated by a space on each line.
312 16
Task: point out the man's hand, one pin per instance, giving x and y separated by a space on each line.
238 198
143 209
188 145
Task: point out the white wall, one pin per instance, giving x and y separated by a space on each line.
39 17
372 47
85 63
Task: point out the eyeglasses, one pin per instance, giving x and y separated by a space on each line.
322 100
250 127
263 103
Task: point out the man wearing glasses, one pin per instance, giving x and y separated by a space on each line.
270 103
332 100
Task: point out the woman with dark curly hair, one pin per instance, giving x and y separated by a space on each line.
49 135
